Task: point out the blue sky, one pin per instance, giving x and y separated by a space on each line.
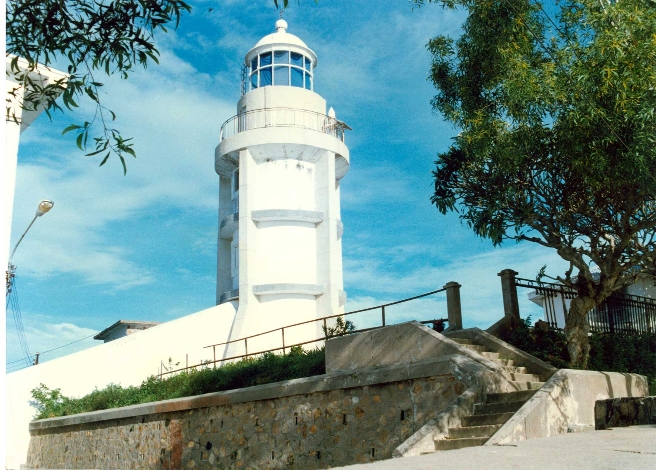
143 246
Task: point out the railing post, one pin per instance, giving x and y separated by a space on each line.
246 345
283 339
453 307
509 291
383 309
214 353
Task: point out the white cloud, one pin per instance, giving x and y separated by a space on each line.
51 340
174 115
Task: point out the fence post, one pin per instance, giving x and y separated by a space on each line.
509 291
453 308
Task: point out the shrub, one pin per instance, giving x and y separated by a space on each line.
267 368
613 353
548 345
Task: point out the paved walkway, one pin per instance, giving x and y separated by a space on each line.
632 448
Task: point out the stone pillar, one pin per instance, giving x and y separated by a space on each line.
509 291
453 305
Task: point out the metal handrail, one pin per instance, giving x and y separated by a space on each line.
282 330
333 316
283 117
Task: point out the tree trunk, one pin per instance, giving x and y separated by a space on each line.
576 332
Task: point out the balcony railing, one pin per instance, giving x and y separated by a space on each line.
283 117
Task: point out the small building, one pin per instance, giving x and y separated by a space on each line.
124 328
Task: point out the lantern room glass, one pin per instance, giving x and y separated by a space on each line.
281 68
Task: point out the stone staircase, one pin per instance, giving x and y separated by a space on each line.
490 415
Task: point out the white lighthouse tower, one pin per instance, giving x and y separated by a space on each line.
280 162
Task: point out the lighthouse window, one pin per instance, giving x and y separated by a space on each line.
297 59
281 68
281 76
281 57
265 76
235 183
265 59
297 77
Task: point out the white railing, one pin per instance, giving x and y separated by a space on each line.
283 117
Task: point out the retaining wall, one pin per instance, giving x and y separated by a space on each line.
622 412
125 361
317 422
566 403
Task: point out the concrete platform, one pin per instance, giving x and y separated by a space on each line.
619 448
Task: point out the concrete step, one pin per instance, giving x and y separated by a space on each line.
527 385
485 420
509 396
475 347
515 369
504 362
473 431
522 377
450 444
491 355
462 340
494 408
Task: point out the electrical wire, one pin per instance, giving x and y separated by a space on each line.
68 344
18 321
47 351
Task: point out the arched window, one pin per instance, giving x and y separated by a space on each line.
281 68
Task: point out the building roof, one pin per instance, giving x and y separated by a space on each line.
281 39
281 36
130 324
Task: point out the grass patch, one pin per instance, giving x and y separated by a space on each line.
264 369
609 353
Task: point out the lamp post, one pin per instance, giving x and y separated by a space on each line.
44 206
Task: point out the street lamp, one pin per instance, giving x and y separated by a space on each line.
44 206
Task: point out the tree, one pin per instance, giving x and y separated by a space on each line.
94 38
555 103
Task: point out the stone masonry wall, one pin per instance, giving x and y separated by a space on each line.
620 412
310 431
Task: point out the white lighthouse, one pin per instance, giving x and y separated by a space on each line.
280 162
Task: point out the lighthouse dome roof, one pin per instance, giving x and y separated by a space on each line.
281 39
281 36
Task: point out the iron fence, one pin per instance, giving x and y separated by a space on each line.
619 313
438 325
283 117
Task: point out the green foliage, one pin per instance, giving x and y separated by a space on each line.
342 327
267 368
557 142
624 353
94 38
548 345
610 353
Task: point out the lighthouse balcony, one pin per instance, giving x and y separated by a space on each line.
286 118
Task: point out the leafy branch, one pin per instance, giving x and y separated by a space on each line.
106 36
